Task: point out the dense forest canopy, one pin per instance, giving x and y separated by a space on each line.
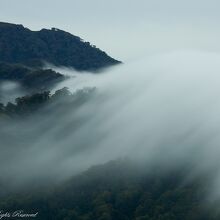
30 104
57 47
118 190
23 54
29 78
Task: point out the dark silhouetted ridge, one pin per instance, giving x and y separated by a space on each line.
33 48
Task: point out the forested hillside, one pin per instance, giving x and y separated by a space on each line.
30 104
34 48
118 190
32 79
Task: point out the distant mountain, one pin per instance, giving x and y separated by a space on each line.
33 48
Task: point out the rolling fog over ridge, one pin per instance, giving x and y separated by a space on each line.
109 110
162 110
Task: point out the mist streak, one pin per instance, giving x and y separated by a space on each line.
163 109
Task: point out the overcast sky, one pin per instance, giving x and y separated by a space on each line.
126 29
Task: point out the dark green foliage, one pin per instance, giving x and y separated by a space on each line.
1 107
33 48
118 191
29 78
64 92
62 99
26 104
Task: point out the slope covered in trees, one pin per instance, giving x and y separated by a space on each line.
61 99
31 79
118 190
33 48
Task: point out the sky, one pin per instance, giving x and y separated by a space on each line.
125 29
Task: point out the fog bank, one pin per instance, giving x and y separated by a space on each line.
162 110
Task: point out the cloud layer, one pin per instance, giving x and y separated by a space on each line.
161 110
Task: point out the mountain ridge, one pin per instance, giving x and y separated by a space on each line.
19 44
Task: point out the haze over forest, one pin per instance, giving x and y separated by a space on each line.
109 110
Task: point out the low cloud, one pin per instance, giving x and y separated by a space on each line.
161 110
